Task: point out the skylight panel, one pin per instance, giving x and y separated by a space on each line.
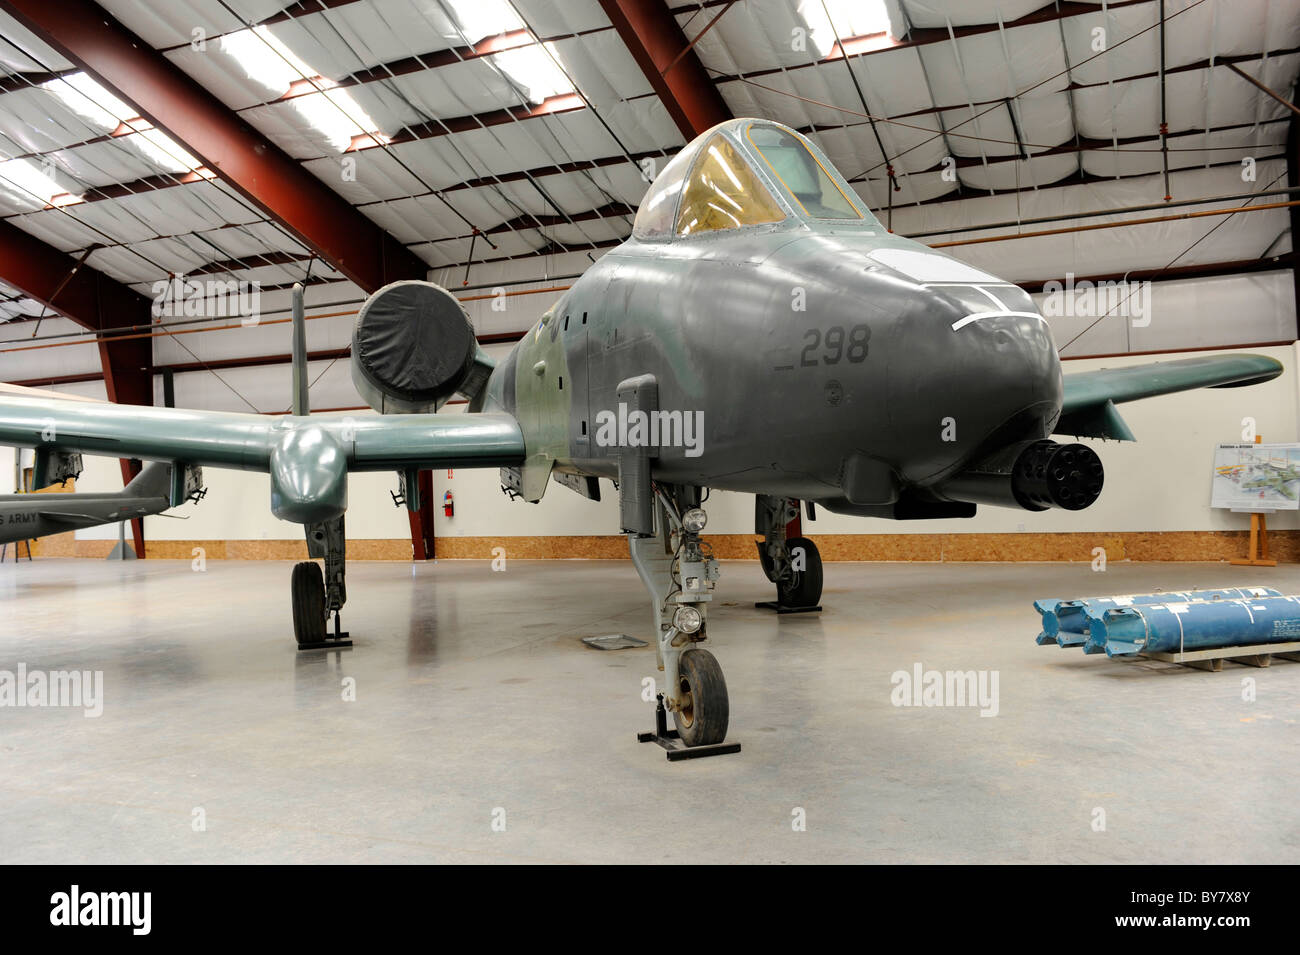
851 19
330 111
267 59
107 114
27 183
531 67
481 18
159 148
534 71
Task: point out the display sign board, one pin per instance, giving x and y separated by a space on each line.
1256 477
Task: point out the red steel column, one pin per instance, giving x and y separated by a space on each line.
95 301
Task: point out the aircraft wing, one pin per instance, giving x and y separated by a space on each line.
1090 396
255 442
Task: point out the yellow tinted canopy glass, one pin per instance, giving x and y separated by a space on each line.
722 192
802 173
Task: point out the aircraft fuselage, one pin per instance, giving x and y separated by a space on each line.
802 364
29 516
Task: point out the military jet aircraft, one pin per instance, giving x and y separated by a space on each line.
29 516
759 332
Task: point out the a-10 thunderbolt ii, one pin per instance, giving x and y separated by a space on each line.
759 332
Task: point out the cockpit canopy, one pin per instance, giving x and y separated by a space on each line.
731 177
791 161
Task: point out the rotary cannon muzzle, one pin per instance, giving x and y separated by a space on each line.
1034 475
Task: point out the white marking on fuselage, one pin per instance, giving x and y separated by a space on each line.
962 323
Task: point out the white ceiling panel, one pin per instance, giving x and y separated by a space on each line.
1021 174
958 13
21 52
550 18
165 23
997 64
753 36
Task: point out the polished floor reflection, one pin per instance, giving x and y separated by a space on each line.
469 700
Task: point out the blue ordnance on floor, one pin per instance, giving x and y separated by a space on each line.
1132 624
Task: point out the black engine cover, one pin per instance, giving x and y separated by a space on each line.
413 347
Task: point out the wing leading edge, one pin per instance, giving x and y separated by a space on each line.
1090 396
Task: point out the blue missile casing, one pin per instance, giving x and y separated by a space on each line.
1199 625
1065 622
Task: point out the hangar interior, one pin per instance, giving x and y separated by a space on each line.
500 148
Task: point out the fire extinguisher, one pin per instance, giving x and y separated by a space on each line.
448 505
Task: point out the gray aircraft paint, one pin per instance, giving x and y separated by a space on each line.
708 318
30 516
711 317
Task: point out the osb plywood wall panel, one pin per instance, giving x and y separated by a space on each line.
1153 546
533 548
100 549
185 550
56 545
383 549
1179 545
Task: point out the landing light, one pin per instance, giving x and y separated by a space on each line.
688 619
694 520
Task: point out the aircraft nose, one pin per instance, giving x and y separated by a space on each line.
990 375
1016 353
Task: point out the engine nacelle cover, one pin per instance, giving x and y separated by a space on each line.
413 348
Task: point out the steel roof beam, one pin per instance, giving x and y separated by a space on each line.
657 43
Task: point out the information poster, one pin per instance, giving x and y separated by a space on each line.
1256 477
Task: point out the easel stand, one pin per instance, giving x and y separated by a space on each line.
18 545
1258 554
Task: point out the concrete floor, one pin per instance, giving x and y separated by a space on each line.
473 694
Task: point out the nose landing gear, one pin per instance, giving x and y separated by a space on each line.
703 710
680 571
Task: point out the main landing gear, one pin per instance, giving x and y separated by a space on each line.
317 595
679 571
792 563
